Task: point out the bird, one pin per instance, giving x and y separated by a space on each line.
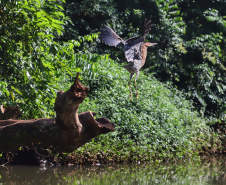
135 49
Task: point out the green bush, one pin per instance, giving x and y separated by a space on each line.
161 123
33 64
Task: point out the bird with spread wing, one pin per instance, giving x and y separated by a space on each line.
135 49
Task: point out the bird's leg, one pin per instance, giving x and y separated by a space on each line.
136 83
130 93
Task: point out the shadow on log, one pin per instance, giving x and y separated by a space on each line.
68 131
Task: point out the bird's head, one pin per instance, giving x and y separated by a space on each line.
148 44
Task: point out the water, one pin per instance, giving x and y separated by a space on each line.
211 171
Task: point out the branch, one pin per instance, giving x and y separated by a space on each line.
68 131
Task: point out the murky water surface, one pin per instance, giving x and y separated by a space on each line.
208 171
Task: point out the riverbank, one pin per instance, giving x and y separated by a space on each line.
35 155
209 170
217 145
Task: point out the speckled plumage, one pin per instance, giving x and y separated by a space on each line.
135 49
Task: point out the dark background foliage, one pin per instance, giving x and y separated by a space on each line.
191 42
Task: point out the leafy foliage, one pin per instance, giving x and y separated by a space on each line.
160 124
191 42
33 65
193 59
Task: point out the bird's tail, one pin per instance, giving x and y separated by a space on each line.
109 37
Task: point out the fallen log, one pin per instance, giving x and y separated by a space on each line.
68 131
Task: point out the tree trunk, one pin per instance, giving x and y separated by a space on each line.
68 131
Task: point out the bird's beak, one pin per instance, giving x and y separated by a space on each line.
152 44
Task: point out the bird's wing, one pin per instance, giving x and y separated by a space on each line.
147 27
132 48
109 37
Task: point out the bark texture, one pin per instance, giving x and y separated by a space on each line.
68 131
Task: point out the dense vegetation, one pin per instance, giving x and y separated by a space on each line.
44 43
191 42
160 124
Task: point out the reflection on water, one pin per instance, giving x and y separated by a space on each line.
208 171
